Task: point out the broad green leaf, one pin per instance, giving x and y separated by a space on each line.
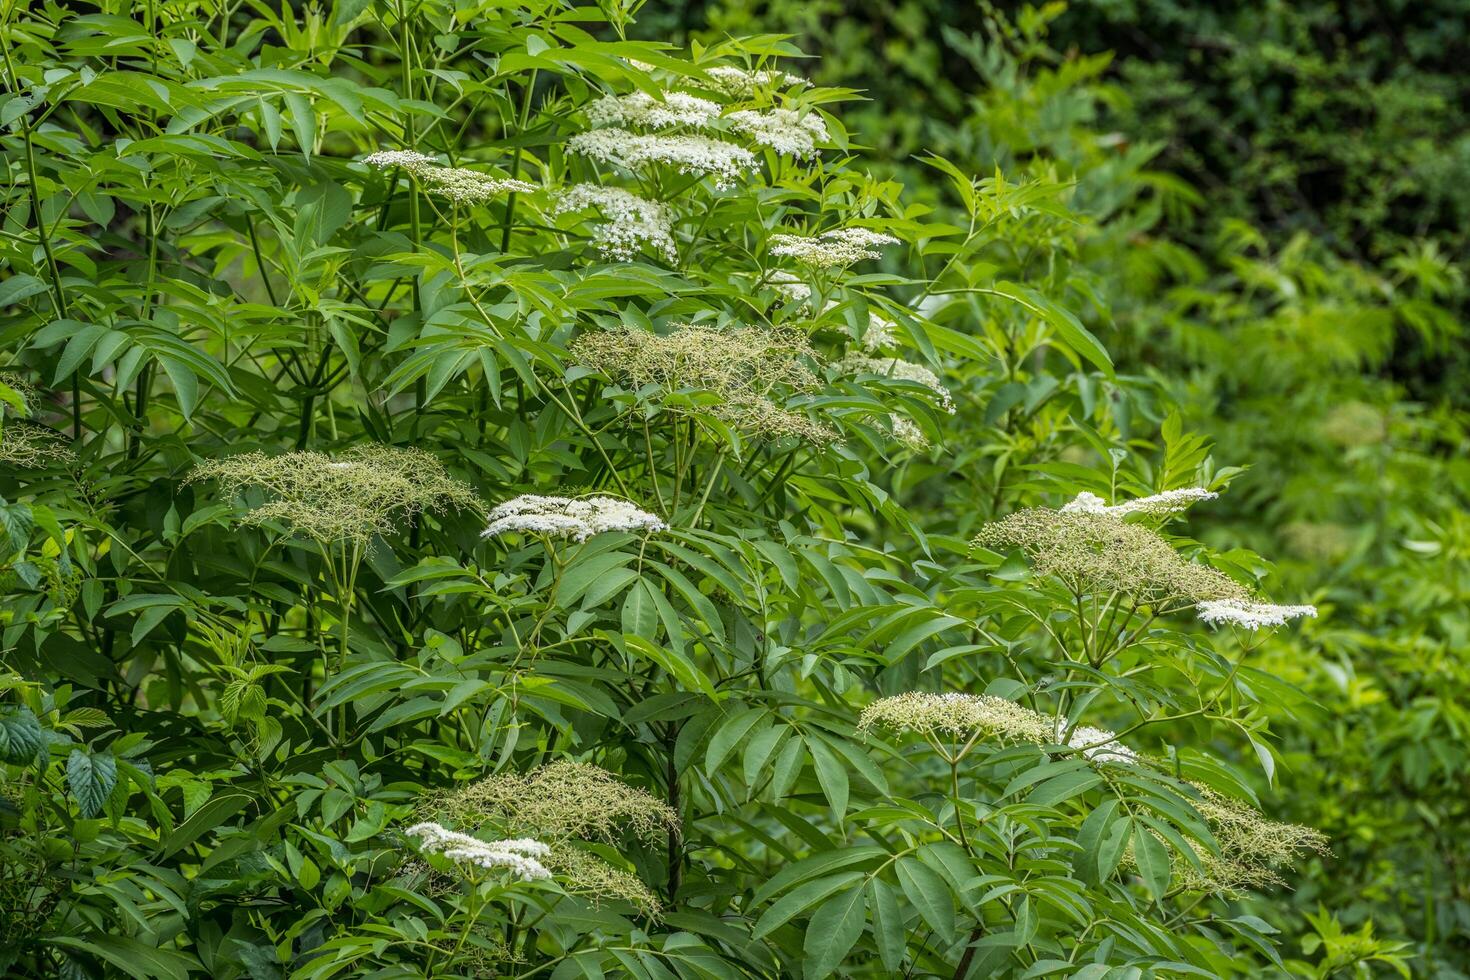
832 932
90 778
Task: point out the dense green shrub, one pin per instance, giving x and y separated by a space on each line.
471 513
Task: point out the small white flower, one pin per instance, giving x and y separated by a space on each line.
642 109
566 517
1155 505
688 154
783 130
632 220
842 246
1250 615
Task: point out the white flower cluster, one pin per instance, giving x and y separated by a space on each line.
567 517
842 246
905 430
1156 505
783 130
894 367
688 154
461 185
881 333
1099 745
1250 615
469 186
632 221
521 856
642 109
407 159
789 286
744 83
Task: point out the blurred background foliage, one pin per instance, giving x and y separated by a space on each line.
1275 197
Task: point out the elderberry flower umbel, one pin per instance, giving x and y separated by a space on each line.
464 186
1252 848
643 110
957 715
1251 615
1155 505
563 799
749 369
364 491
841 246
563 802
1099 745
521 856
893 367
985 716
460 184
410 160
725 162
743 83
1101 553
782 130
632 221
568 517
789 286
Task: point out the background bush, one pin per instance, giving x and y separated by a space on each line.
234 683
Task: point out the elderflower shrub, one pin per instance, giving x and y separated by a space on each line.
643 283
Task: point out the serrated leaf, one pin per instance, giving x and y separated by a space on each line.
832 932
90 779
21 736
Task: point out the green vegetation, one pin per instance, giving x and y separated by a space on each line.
520 490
